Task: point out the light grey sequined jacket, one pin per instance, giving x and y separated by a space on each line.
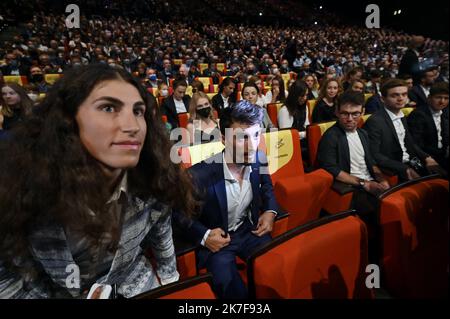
144 224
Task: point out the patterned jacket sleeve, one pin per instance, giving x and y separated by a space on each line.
12 286
163 249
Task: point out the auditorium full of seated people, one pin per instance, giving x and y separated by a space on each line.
182 156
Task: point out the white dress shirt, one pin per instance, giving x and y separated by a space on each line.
437 123
400 130
225 101
426 90
358 166
180 107
239 198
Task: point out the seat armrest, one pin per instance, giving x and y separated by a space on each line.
342 188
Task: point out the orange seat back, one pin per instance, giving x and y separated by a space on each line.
315 133
414 228
311 105
283 153
183 119
272 111
323 259
199 287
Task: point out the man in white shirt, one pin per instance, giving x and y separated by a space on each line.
429 124
239 206
225 97
419 93
344 148
177 103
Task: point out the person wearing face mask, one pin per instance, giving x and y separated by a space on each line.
152 79
284 69
37 78
202 126
32 92
163 90
274 69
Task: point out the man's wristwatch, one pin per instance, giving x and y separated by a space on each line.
362 183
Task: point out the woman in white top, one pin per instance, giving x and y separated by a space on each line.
294 114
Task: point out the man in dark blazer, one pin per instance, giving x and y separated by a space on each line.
345 153
391 143
177 103
410 60
428 124
226 96
419 92
374 104
238 204
167 73
344 148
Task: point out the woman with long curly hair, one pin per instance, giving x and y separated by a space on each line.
86 187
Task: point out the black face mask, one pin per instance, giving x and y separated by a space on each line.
37 78
204 112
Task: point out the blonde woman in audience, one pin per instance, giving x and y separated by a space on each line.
202 126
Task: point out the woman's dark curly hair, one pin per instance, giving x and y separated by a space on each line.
47 175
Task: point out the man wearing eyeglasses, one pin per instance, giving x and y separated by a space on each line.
344 152
344 148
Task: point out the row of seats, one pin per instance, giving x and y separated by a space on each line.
22 80
327 258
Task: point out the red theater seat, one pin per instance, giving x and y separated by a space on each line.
272 111
324 259
183 119
193 288
299 194
414 239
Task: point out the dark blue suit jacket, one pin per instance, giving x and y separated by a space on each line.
209 180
